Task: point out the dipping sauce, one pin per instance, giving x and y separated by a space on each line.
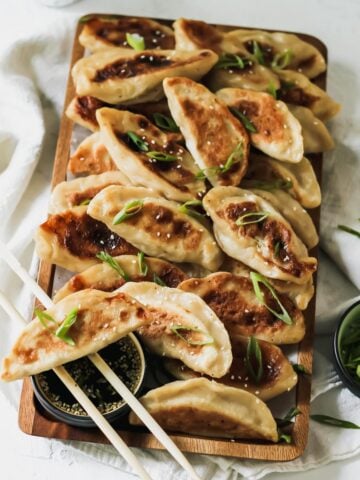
349 343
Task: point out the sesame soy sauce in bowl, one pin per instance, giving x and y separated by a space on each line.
125 358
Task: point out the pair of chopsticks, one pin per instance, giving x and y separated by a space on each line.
110 376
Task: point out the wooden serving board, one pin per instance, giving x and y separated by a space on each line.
34 421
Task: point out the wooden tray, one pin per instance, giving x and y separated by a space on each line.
34 421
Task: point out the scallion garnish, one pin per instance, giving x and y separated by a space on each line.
282 60
106 258
177 329
299 368
254 217
85 202
135 41
44 317
143 266
161 156
284 437
258 53
287 420
250 127
186 208
165 123
347 229
334 422
277 248
279 183
158 280
256 279
254 357
235 157
230 60
138 142
129 210
62 331
271 89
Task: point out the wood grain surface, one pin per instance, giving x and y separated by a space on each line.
33 420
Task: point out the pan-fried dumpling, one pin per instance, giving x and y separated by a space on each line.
119 75
278 48
183 327
173 173
316 136
276 131
203 407
299 294
250 229
235 302
72 239
158 227
101 318
81 190
209 127
106 278
298 90
193 35
298 179
91 157
278 374
291 209
101 33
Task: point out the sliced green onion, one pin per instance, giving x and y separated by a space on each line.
62 331
284 437
259 217
257 278
135 41
279 183
206 172
272 90
44 317
277 248
282 60
186 208
129 210
235 157
253 353
334 422
177 329
228 60
162 156
287 420
85 202
106 258
299 368
165 123
347 229
138 142
158 280
143 266
258 53
250 127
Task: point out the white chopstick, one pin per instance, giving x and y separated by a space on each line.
85 402
110 376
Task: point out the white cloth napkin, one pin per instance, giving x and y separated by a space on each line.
32 82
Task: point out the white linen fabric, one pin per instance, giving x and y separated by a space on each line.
33 72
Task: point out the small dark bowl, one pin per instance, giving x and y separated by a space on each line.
350 315
48 382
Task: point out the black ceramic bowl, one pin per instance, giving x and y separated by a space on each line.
350 316
125 357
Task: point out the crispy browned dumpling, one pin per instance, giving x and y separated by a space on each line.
195 34
91 157
72 239
104 277
119 75
175 179
234 301
217 140
203 407
102 318
277 132
103 32
278 374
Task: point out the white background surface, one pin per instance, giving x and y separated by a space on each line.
336 22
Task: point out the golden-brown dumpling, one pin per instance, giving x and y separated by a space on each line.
101 33
176 178
250 229
203 407
183 327
158 227
209 127
118 75
276 131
